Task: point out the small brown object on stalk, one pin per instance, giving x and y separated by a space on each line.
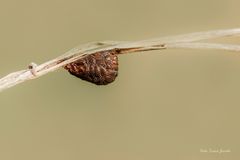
100 68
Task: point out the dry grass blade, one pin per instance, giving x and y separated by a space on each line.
180 41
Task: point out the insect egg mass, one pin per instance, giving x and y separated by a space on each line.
100 68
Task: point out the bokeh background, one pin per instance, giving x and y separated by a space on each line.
164 104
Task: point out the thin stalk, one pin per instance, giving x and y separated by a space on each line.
123 47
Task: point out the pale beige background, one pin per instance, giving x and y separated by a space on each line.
164 104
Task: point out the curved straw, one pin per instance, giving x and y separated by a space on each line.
180 41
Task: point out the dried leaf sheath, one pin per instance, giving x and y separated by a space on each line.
100 68
191 40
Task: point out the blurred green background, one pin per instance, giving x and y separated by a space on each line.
164 104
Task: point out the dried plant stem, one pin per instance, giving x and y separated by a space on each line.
181 41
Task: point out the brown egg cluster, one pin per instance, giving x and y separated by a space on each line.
100 68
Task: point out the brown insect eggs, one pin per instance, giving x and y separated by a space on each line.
100 68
